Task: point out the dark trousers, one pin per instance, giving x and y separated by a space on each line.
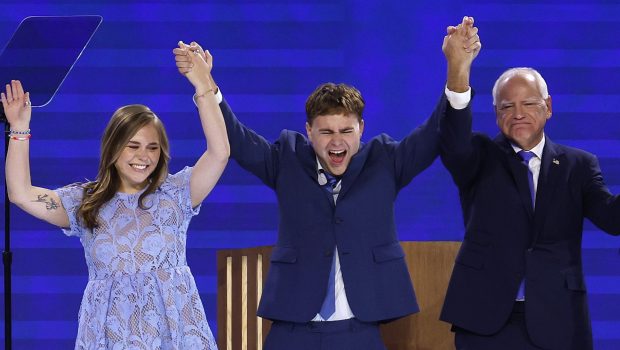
332 335
512 337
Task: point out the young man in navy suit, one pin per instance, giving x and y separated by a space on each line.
518 281
337 269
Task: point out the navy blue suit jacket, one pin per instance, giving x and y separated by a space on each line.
506 240
362 226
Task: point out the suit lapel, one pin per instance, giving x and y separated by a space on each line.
552 166
518 171
308 160
353 170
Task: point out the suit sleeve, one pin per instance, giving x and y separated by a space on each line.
252 151
418 150
459 153
600 205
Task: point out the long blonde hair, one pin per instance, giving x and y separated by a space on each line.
123 125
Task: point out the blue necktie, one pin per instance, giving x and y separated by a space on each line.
331 182
329 304
526 156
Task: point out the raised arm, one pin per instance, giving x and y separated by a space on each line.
39 202
419 149
460 46
211 164
252 151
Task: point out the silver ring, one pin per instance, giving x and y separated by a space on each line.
27 103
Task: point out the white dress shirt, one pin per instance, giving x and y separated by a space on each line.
535 162
343 310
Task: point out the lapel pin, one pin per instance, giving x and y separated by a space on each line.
556 162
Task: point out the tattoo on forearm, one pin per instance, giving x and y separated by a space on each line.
50 203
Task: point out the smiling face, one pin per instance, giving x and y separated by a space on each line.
521 110
335 139
138 159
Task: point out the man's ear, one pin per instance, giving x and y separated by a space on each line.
496 115
309 131
549 109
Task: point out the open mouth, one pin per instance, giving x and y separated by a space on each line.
337 156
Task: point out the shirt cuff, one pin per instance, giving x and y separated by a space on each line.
218 97
458 100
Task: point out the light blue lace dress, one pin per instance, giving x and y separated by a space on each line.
140 293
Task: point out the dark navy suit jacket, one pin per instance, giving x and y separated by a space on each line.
362 225
506 240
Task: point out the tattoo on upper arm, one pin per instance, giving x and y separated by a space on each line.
50 203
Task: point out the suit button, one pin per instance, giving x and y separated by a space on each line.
329 253
338 220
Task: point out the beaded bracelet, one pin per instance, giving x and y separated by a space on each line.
196 96
20 138
11 131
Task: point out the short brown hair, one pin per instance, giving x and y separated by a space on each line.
330 98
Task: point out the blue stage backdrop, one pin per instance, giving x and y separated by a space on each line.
269 55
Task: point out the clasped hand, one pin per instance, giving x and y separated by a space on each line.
195 64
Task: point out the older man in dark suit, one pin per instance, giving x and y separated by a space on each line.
518 281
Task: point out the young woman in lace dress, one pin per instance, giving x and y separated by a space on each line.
132 221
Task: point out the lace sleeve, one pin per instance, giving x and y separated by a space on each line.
71 198
177 187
